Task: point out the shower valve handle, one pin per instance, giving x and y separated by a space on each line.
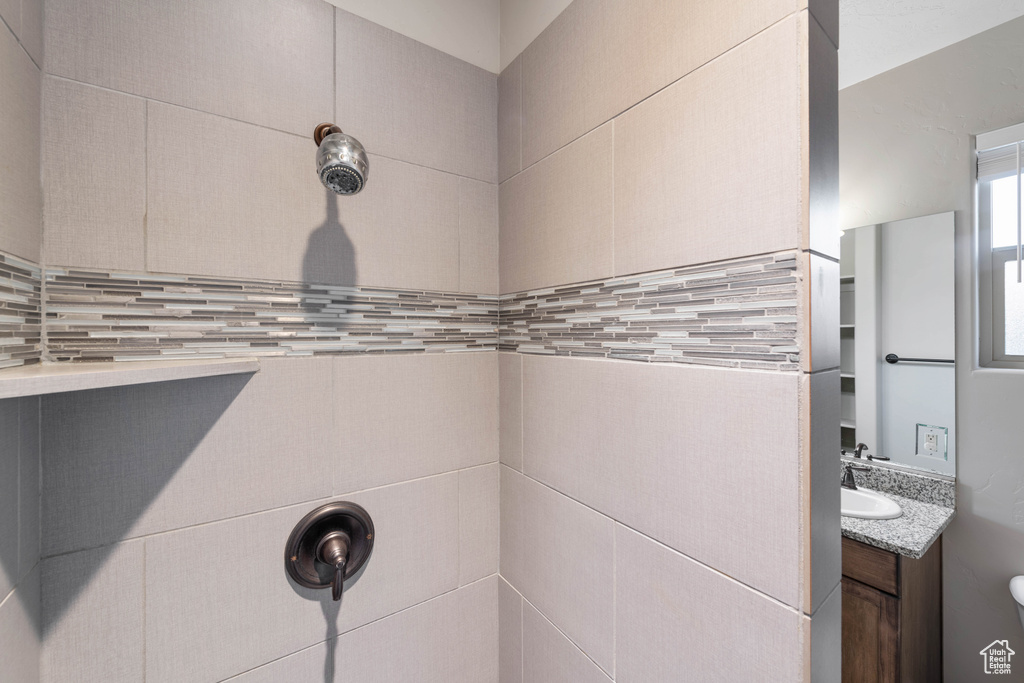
333 550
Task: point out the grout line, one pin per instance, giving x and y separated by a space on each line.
145 667
522 632
145 185
18 501
659 90
362 626
615 600
571 641
674 551
156 534
612 242
17 40
258 125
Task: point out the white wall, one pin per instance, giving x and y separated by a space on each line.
906 150
467 29
487 33
524 20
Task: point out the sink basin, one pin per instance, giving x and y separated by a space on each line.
867 504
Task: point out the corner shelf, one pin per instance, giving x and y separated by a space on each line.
54 378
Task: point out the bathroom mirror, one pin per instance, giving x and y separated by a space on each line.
897 370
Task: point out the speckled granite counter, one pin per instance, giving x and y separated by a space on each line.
925 515
910 534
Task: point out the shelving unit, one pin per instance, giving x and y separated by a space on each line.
847 330
54 378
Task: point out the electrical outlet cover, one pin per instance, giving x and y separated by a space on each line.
932 441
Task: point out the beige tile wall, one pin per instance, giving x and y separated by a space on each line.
210 476
716 482
662 450
19 539
196 126
412 645
93 218
20 191
220 58
408 101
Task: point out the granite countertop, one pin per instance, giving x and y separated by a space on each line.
910 534
928 505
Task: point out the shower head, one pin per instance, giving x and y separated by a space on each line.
341 161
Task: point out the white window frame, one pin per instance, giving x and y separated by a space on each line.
991 264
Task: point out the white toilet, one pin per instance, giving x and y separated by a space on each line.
1017 590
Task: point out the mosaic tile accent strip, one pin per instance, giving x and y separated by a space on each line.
740 314
20 317
92 316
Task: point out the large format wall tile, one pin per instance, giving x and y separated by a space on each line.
510 436
551 657
704 460
406 100
556 553
478 522
403 227
711 168
20 633
93 606
510 120
9 463
822 137
144 459
556 217
826 639
510 634
261 615
453 639
20 193
478 237
820 408
266 62
94 175
599 58
399 417
228 198
450 639
29 482
677 620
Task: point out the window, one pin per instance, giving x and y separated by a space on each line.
1000 266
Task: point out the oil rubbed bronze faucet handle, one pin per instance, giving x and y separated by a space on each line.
333 550
329 545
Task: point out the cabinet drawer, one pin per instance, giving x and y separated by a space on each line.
871 566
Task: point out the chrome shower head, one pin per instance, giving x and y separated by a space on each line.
341 161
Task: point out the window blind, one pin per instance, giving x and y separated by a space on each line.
999 155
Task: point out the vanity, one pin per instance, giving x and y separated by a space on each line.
892 580
898 430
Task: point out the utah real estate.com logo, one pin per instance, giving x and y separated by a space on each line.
997 657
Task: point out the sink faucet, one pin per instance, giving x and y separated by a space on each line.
848 480
861 447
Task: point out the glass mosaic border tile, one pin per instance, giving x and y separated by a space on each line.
95 316
20 312
740 313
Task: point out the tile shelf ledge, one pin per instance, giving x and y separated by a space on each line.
54 378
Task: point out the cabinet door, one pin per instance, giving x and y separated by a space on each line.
870 634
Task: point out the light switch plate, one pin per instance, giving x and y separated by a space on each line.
932 441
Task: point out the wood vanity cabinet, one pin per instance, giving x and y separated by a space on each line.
892 615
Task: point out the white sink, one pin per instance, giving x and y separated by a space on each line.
867 504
